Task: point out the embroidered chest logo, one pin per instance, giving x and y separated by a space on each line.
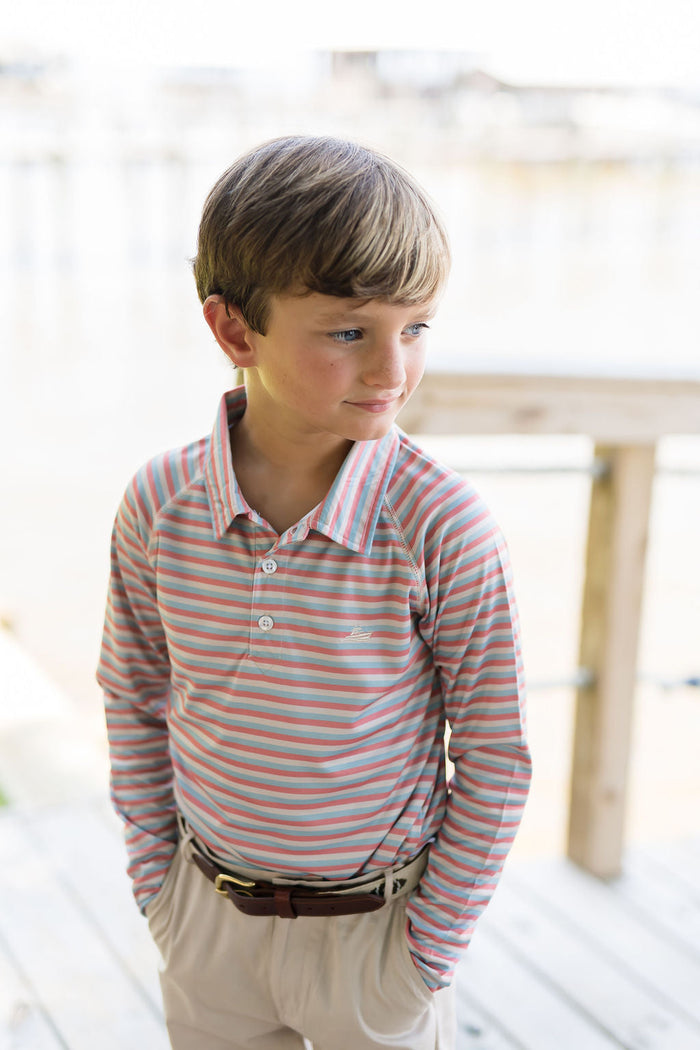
357 634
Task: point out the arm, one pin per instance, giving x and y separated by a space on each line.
474 634
134 673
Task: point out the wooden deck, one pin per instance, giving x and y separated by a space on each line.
561 961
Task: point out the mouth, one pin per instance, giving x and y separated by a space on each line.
379 405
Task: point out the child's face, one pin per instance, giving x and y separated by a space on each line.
338 367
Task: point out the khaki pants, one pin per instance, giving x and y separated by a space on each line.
238 982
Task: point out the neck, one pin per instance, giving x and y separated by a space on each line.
280 477
264 448
265 438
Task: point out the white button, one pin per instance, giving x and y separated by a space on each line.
266 623
269 566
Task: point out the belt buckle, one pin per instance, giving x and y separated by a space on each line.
243 886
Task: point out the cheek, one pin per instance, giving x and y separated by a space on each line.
415 366
333 372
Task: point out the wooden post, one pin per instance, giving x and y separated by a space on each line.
612 599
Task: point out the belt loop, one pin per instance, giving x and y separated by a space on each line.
388 884
186 837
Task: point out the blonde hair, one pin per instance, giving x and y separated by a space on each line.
314 214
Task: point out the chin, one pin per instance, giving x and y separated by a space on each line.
374 432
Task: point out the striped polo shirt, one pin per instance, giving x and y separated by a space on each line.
289 693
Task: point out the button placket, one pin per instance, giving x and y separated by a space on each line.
265 637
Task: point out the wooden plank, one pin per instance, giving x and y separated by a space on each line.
612 600
627 1010
615 411
477 1031
667 901
90 999
601 917
89 858
680 864
526 1007
23 1021
682 860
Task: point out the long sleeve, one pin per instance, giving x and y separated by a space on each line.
473 631
134 673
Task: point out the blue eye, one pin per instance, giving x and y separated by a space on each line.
349 335
416 329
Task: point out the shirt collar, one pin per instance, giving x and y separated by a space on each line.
349 513
225 497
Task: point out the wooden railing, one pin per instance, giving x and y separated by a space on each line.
625 418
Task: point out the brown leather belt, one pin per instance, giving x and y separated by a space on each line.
266 898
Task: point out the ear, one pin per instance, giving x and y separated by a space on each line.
230 330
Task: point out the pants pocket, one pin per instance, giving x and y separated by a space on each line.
369 993
405 965
413 974
158 910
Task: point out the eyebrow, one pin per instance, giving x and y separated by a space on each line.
339 316
333 314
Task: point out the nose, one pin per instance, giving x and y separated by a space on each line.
384 366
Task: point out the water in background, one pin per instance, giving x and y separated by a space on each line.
570 266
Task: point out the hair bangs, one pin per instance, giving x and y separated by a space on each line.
384 241
319 215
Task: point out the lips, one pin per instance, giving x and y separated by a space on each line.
375 406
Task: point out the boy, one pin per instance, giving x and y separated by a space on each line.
296 605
